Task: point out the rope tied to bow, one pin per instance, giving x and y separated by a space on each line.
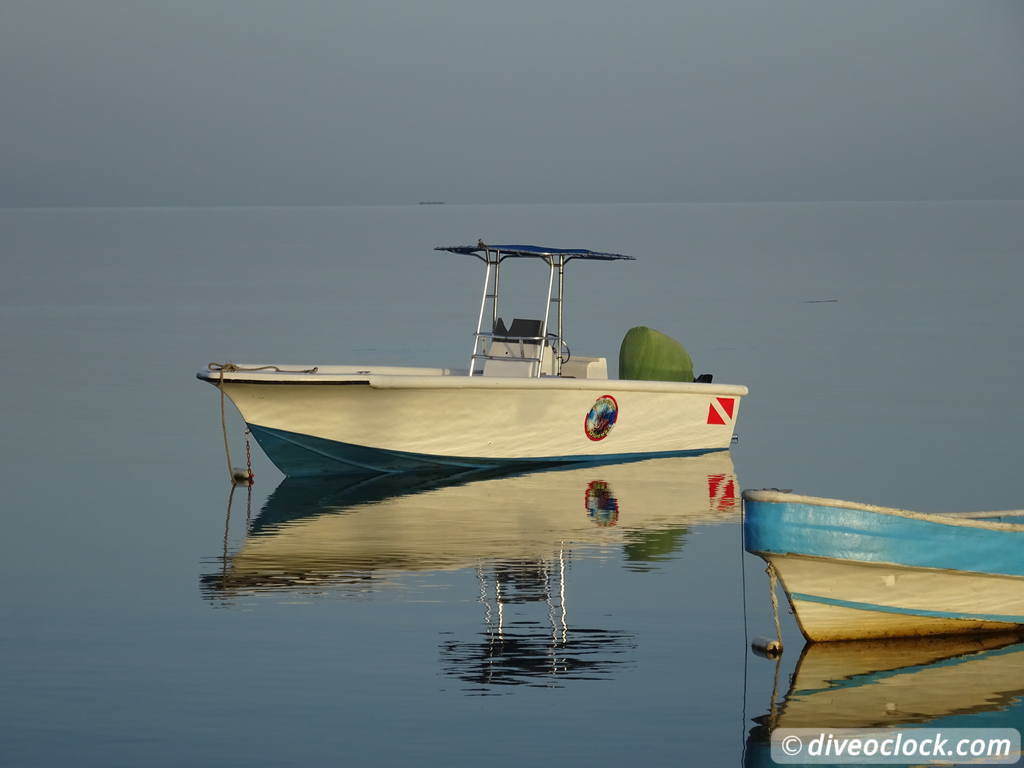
773 580
239 476
233 367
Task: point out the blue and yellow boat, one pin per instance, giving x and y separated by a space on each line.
856 571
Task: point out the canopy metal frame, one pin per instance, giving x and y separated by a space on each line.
556 259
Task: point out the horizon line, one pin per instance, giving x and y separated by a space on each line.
455 204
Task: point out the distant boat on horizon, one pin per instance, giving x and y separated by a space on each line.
431 202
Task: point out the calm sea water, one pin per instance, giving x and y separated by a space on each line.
581 617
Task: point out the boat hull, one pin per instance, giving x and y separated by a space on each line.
839 600
391 423
857 572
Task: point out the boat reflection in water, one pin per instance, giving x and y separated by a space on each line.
947 682
518 534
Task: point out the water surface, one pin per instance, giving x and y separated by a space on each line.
585 616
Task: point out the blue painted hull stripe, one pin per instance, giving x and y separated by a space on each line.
299 455
996 617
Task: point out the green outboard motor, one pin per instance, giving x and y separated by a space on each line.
649 355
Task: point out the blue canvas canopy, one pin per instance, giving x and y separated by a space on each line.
532 251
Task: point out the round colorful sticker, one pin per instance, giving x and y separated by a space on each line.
601 418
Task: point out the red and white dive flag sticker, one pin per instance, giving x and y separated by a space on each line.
721 410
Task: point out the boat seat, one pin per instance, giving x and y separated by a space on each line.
520 329
515 350
525 329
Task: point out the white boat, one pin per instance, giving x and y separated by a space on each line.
523 400
857 571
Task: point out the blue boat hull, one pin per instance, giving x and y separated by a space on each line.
299 455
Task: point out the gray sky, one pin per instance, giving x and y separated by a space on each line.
195 102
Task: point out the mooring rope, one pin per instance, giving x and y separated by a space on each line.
227 529
219 369
224 426
773 580
746 632
238 477
764 646
773 707
231 367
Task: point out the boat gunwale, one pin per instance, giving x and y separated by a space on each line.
769 496
463 381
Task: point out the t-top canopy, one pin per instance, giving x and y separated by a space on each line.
532 251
